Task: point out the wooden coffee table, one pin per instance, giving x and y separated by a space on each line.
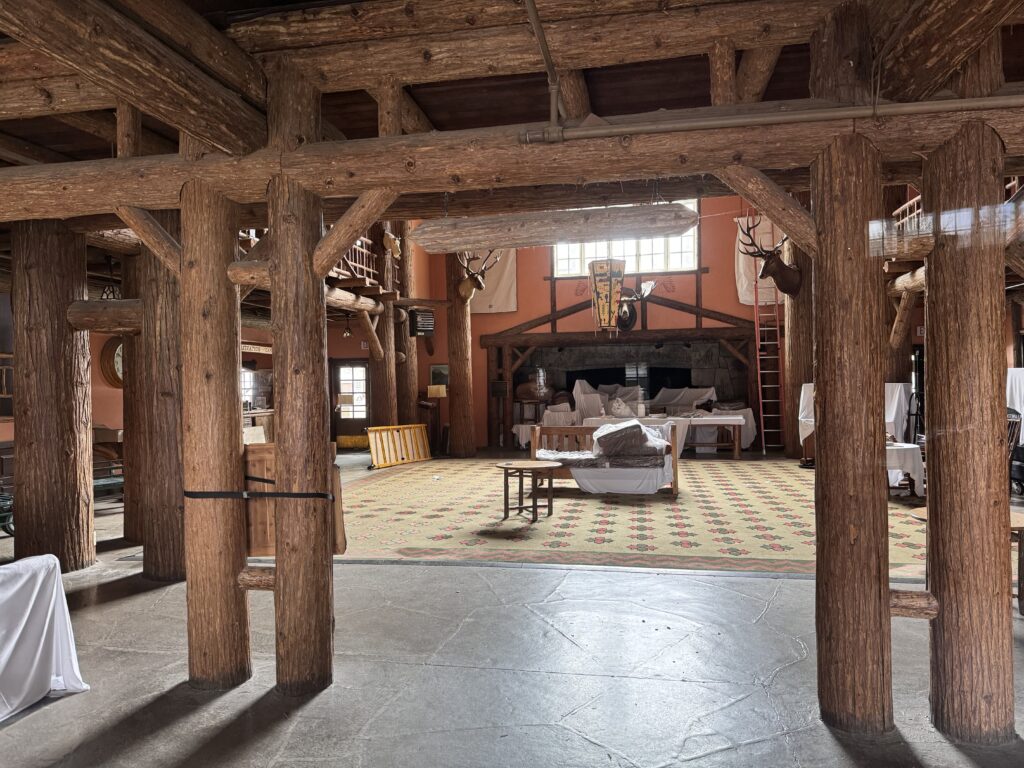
537 470
1016 534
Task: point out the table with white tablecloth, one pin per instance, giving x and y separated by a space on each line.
906 458
897 406
37 646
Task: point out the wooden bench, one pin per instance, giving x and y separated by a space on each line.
555 438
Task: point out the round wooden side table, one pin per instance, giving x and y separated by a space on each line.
537 470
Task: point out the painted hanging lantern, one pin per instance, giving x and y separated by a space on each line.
606 286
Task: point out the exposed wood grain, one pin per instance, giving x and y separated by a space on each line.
755 72
52 407
258 577
901 324
257 274
152 412
103 125
366 324
981 74
910 282
128 129
524 230
580 43
913 604
156 238
462 424
113 316
917 56
968 505
722 61
20 99
215 548
196 40
774 202
574 94
852 583
352 225
459 161
408 374
20 152
382 372
797 345
304 534
841 56
116 54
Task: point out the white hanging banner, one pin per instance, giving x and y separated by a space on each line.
767 235
499 293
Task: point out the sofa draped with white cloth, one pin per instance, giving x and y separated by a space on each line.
1015 394
37 645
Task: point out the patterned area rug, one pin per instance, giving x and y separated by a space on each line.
730 515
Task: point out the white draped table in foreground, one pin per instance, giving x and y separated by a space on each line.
37 646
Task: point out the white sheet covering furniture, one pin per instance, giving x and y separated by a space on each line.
897 401
676 401
707 434
37 645
628 480
905 457
1015 393
680 424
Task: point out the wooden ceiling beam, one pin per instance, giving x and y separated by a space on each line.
410 115
581 42
358 22
21 152
589 338
114 316
722 64
774 202
103 125
479 159
525 230
755 71
121 57
22 99
929 43
198 41
368 208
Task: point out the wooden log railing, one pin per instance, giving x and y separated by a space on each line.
260 578
913 604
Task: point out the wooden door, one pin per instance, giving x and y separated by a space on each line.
350 379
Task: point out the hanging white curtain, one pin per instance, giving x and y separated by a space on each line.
766 234
499 293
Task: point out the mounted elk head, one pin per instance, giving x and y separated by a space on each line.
787 277
474 279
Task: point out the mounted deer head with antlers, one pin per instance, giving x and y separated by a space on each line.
787 277
474 280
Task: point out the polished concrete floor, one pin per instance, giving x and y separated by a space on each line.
453 665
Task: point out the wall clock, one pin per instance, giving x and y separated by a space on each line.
112 362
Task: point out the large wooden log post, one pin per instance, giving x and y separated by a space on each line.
797 346
408 373
215 548
152 414
52 408
303 594
461 432
852 595
153 503
965 379
383 376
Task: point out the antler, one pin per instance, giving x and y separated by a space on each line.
751 247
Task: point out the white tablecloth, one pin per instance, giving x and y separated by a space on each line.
627 480
1015 393
708 434
905 457
37 646
897 401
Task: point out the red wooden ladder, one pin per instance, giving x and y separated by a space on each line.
768 328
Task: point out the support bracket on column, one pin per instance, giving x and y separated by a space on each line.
153 236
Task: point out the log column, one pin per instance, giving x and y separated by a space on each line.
153 502
852 585
797 343
383 377
52 397
461 433
407 371
303 595
968 505
215 529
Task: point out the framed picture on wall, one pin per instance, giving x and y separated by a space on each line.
439 374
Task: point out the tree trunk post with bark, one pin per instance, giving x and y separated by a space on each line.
304 586
52 394
968 504
797 343
215 529
461 430
851 514
408 372
383 376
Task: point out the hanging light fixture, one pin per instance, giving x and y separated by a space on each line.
606 286
348 328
